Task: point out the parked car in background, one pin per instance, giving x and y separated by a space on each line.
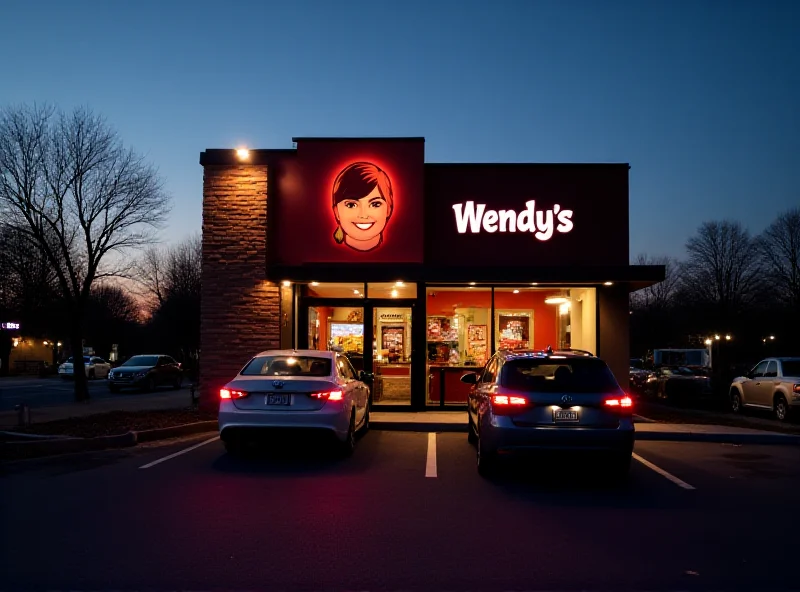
680 385
302 390
93 366
526 400
146 372
638 379
773 384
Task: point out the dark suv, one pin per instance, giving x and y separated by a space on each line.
146 372
530 400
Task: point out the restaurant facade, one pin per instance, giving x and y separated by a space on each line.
418 271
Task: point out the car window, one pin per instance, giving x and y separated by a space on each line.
169 360
772 370
344 368
287 366
489 372
352 368
791 367
579 375
759 370
141 361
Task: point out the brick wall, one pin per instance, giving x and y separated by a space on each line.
240 310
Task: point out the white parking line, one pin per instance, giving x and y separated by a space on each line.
662 472
430 465
160 460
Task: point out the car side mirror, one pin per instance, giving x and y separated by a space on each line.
469 378
365 376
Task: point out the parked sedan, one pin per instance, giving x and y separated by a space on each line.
527 401
681 385
146 372
296 390
773 385
93 366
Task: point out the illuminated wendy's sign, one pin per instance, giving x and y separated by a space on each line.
472 217
9 326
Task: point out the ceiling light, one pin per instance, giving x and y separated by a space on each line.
395 293
556 300
399 284
243 154
472 283
534 283
315 283
286 283
356 292
516 291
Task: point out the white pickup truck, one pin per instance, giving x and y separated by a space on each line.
773 384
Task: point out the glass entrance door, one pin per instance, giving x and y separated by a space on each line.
338 328
391 355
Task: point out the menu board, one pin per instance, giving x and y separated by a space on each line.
347 336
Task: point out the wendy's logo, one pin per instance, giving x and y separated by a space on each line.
362 204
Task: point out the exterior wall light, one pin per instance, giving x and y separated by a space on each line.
608 283
286 283
243 154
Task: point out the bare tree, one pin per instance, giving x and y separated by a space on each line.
68 183
722 267
660 296
780 249
169 271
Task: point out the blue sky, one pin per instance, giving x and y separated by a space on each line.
702 98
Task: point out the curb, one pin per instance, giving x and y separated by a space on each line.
769 439
50 445
175 431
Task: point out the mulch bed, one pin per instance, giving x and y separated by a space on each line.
117 422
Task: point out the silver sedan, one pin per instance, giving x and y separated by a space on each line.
297 390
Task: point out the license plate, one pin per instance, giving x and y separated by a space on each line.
565 415
278 399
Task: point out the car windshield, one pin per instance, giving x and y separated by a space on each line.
288 366
85 359
791 367
141 361
580 375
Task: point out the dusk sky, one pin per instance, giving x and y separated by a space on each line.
701 98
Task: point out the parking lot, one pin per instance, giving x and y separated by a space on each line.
407 511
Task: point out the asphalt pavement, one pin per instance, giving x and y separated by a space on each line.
407 511
53 391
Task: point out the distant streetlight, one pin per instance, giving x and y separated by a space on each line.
728 338
716 337
772 337
708 342
44 343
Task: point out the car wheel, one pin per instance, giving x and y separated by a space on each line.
349 444
736 402
113 388
472 435
781 408
487 459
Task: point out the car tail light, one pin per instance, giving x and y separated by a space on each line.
328 395
231 394
508 404
796 389
620 403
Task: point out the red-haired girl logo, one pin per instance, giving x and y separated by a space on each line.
363 202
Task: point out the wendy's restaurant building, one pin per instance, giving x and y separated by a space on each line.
418 271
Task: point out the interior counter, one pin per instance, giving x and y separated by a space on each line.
444 383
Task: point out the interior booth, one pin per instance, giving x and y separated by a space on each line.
418 272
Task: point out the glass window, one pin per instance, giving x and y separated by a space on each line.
398 289
458 325
287 366
772 370
489 374
141 361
